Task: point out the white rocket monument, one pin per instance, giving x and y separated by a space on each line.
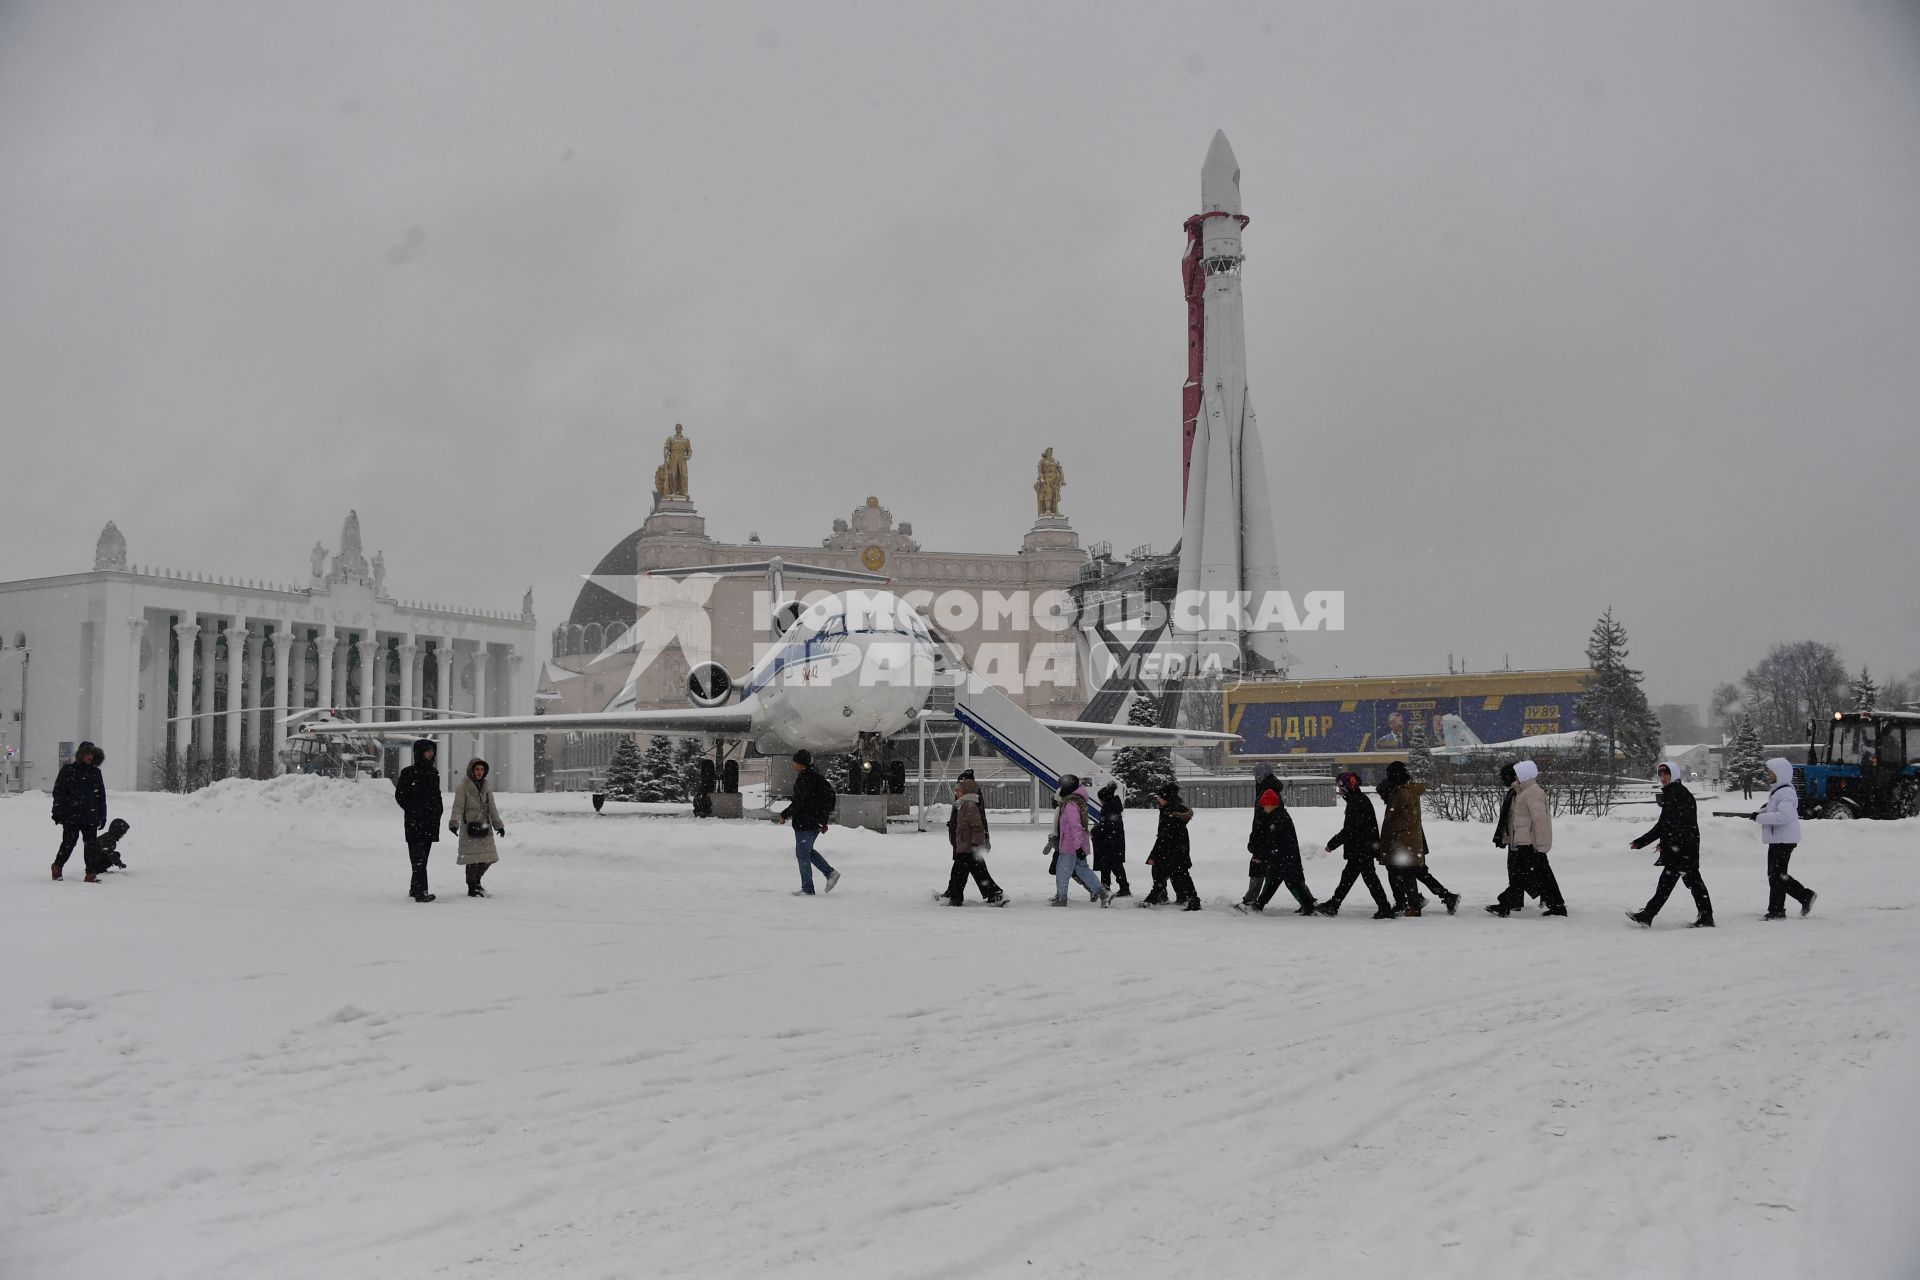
1227 544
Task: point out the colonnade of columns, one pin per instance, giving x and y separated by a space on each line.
353 671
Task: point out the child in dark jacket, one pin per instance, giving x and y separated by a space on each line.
1110 841
1274 857
1172 856
110 844
1678 834
1359 840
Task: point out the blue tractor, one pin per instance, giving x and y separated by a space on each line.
1871 767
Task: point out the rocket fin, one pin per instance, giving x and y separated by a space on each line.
1259 549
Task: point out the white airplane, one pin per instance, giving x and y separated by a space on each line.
852 669
1457 740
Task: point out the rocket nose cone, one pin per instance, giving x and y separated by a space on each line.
1220 177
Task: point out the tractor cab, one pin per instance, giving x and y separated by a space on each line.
1870 769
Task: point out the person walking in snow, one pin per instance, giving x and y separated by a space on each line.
80 810
1072 843
1359 839
1172 855
967 832
1110 841
966 775
417 792
1530 836
1273 849
476 820
1403 844
1678 832
1779 823
810 811
1502 835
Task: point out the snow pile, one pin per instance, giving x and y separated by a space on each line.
306 792
250 1055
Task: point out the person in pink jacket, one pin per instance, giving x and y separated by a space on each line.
1072 844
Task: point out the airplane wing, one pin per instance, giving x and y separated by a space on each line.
734 721
789 568
1137 733
1116 732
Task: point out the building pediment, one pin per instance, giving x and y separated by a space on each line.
871 525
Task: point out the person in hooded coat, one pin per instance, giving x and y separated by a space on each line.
1502 832
476 821
1678 832
1403 844
417 792
1530 837
1779 823
1073 841
1359 839
1273 849
967 831
1110 841
1172 854
80 810
953 814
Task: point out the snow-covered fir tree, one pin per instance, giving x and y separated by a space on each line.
1143 770
1614 705
1419 751
1863 691
834 767
687 754
657 780
623 771
1747 759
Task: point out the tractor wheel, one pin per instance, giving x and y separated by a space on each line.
1838 809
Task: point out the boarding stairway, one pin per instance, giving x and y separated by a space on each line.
1019 738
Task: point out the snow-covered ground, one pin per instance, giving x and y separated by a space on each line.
252 1056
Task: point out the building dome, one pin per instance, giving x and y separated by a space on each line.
596 604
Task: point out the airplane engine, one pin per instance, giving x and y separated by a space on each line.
709 685
785 614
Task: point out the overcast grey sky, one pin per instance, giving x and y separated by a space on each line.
1552 306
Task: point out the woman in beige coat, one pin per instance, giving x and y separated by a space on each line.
474 811
1529 839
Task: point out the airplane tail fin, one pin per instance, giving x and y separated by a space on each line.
1456 736
777 569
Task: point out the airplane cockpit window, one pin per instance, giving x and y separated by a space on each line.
875 614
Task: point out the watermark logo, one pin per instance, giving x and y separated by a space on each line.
668 612
1013 640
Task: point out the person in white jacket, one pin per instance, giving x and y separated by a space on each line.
1530 838
1780 827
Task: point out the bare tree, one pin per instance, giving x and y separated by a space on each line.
1792 686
